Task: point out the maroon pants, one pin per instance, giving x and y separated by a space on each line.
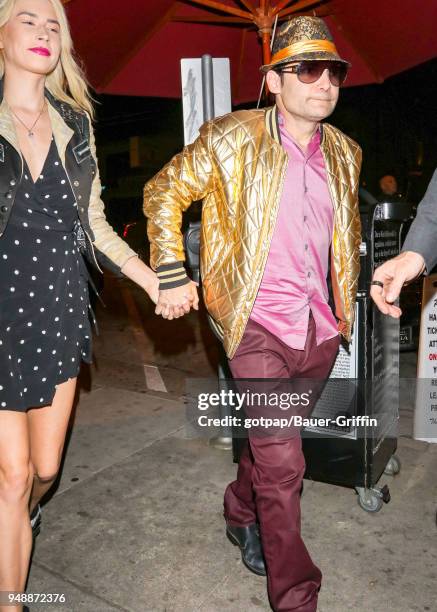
271 469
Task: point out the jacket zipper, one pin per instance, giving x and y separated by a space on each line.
87 235
269 239
22 167
92 251
336 229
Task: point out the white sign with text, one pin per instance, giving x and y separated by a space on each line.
425 414
192 97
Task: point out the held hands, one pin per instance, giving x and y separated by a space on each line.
174 303
394 274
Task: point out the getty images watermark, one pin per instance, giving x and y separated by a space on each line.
262 402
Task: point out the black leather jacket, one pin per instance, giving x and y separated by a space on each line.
81 168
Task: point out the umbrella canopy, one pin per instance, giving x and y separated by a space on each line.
134 47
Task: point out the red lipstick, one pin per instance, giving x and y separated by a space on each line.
41 51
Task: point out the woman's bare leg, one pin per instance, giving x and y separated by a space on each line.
47 431
16 478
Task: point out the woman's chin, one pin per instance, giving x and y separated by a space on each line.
38 67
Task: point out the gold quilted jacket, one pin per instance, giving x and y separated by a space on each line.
237 166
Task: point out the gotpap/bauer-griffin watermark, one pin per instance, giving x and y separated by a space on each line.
340 421
285 401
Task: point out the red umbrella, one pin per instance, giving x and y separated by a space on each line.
134 48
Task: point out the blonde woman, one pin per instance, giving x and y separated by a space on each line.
50 212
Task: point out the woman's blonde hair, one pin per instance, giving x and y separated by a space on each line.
67 81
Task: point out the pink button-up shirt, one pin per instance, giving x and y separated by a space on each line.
294 280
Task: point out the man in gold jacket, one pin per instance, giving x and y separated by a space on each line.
280 209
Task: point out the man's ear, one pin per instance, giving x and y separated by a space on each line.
274 82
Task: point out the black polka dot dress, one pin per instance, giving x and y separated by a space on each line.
44 326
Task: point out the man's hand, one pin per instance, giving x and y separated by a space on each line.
394 274
174 303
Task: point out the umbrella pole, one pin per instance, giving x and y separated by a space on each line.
265 38
263 19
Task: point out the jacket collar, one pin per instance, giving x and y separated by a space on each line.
62 133
272 125
7 127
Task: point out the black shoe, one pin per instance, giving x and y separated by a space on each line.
35 521
248 540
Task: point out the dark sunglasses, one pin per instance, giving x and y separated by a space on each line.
311 71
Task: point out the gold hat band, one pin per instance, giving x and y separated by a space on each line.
306 46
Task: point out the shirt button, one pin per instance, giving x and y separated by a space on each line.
8 194
4 208
82 209
12 183
309 274
76 183
305 218
80 197
306 247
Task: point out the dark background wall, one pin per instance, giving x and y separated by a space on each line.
394 122
396 125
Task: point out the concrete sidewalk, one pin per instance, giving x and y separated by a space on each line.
136 522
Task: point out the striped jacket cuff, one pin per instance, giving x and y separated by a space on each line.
172 275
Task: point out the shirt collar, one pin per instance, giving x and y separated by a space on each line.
286 137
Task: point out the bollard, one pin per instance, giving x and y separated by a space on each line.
208 88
